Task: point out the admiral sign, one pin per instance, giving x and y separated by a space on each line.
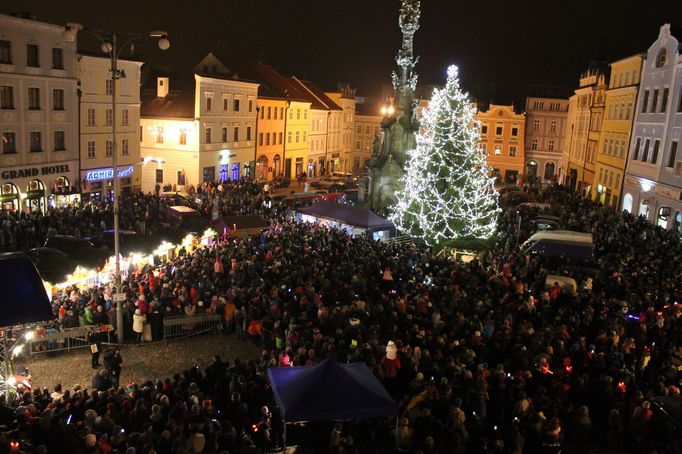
108 173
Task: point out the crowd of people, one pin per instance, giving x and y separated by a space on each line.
138 212
481 356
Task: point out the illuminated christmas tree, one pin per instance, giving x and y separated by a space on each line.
449 193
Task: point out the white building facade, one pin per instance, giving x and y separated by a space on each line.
202 132
343 127
38 115
653 177
96 119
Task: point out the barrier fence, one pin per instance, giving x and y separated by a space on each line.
175 327
180 326
68 339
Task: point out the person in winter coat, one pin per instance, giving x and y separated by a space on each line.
112 363
100 380
88 316
139 320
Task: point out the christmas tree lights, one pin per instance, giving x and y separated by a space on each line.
448 191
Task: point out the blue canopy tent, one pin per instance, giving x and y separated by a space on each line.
355 220
330 391
24 297
24 301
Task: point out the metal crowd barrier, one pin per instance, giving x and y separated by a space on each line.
179 326
67 339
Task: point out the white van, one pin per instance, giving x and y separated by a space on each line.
578 247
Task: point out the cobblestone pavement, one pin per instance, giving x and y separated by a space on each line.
147 362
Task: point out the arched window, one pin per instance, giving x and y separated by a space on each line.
661 58
627 203
549 170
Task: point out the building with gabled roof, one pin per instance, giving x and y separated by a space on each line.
197 128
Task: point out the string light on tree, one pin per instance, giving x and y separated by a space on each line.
449 193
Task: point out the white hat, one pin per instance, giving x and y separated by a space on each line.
391 350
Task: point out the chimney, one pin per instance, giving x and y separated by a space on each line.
162 87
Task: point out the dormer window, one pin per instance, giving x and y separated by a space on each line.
661 58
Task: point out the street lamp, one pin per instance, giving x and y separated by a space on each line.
110 47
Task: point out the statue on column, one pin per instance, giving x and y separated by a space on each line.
399 125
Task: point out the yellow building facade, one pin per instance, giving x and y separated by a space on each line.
583 137
270 138
297 128
502 137
612 150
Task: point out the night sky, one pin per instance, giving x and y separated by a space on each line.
501 46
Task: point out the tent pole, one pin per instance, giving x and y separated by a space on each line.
285 436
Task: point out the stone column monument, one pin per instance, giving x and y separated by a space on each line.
399 125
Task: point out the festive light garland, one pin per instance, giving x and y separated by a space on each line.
448 191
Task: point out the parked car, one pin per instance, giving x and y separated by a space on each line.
541 223
514 198
80 250
178 198
52 264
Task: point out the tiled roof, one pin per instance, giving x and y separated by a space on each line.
179 103
278 84
319 99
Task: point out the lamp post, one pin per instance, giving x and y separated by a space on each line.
111 48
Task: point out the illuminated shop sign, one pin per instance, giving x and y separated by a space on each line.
108 173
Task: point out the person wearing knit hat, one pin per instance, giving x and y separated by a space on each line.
390 363
139 319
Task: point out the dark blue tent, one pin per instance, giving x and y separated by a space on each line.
24 299
329 391
344 214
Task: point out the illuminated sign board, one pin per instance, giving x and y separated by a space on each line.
108 173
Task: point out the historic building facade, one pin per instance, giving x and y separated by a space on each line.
367 134
502 138
38 115
653 176
612 149
344 121
96 120
203 130
582 138
546 118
